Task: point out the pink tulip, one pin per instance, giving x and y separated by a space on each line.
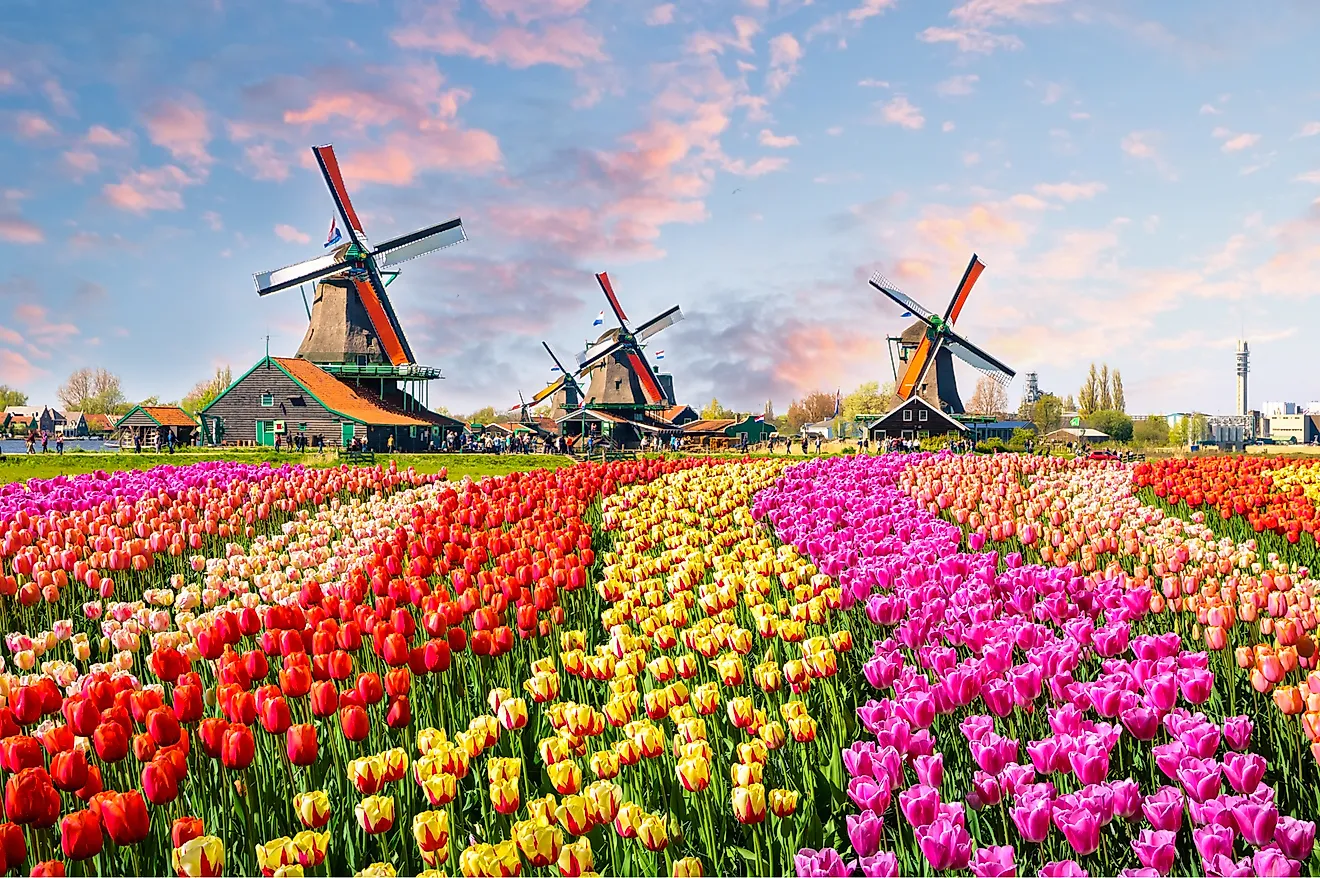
1063 869
881 865
1164 808
1255 821
865 831
1213 841
920 804
1295 838
929 769
1244 771
1081 828
945 845
821 864
1031 816
1270 863
994 862
1201 740
867 794
1091 764
1156 849
1237 731
1222 866
1127 798
1201 778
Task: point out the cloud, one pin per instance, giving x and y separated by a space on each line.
1308 177
14 228
834 130
99 135
287 232
873 83
758 168
1137 144
570 43
974 20
39 328
1070 191
17 368
87 292
1239 142
266 162
706 43
1310 129
527 11
785 52
213 220
971 158
660 15
181 127
957 85
840 23
1209 110
81 162
774 141
971 42
149 189
948 125
901 112
1053 91
32 126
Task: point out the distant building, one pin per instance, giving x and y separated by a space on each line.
915 418
1002 430
679 415
1272 409
152 425
1228 432
1085 435
1176 418
1292 429
98 424
75 424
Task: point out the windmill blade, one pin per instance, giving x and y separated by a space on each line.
604 280
974 269
917 366
419 243
881 283
325 158
558 364
655 324
299 273
372 293
549 390
978 359
651 388
597 352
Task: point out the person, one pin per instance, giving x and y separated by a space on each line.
45 440
818 438
137 442
32 443
804 443
389 444
169 441
59 443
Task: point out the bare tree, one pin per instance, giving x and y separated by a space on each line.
1088 397
989 398
1119 402
1106 401
205 392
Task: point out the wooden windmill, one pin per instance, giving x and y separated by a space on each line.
564 392
621 376
929 345
352 320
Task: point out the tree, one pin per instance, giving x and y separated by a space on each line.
1106 401
1070 404
10 396
1116 425
1152 430
868 399
1198 428
205 392
715 410
1088 398
1046 412
95 391
815 406
487 415
1118 403
989 397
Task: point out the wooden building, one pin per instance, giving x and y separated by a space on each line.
99 424
678 415
292 397
152 425
75 424
916 418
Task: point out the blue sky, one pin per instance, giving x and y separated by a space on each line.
1142 189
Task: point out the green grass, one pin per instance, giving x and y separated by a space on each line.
21 467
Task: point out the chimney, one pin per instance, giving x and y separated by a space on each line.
1242 368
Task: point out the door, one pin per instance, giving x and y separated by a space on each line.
346 431
265 432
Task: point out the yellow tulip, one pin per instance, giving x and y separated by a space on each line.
512 713
552 750
694 774
802 728
740 711
566 777
767 677
503 768
705 699
751 751
367 773
628 819
312 848
504 796
291 871
772 735
575 814
440 789
539 841
605 798
653 832
783 803
575 859
396 764
378 870
749 803
313 808
375 814
688 867
201 857
605 764
276 852
431 830
542 687
744 775
496 697
486 729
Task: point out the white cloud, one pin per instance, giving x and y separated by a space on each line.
1310 129
957 85
903 113
662 14
1209 110
873 83
289 233
775 141
948 126
1070 191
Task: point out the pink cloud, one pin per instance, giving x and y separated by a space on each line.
774 141
785 52
957 85
151 189
266 162
17 230
744 28
16 367
1070 191
287 232
403 155
82 162
659 15
840 23
526 11
570 43
181 127
99 135
901 112
40 329
757 168
31 126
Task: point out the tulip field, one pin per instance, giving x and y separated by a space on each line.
922 664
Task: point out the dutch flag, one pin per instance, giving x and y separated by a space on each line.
659 355
600 319
760 419
555 369
335 235
836 403
907 314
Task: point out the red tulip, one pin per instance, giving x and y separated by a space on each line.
325 699
25 705
20 752
82 715
354 722
275 715
481 642
186 829
68 770
80 835
238 747
144 747
93 785
110 742
57 739
400 713
368 686
457 638
125 817
13 846
300 744
188 706
142 702
26 795
159 782
48 869
296 681
163 726
212 732
398 681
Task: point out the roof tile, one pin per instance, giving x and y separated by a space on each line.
342 397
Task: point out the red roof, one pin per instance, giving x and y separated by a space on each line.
169 415
711 425
343 398
99 422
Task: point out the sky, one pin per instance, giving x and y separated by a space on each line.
1141 180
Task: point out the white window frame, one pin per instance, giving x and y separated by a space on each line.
268 400
907 414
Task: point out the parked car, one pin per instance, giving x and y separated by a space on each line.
1102 455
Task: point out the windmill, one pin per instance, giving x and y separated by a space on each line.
566 383
621 377
931 342
351 318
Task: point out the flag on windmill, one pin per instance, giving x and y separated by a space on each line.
660 354
760 419
836 403
555 368
335 235
600 319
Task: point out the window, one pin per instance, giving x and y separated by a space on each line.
924 415
297 400
907 434
362 359
907 414
302 428
267 400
